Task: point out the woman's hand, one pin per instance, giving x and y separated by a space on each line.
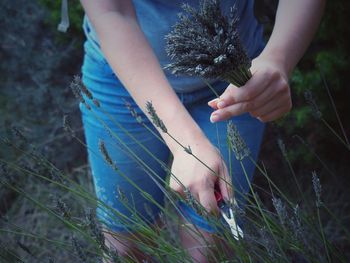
265 96
198 178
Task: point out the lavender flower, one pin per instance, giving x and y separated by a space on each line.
312 102
78 88
267 241
95 229
96 103
105 154
281 210
133 112
25 248
3 170
192 202
85 90
114 256
62 208
78 249
296 223
317 188
121 195
236 142
206 43
75 86
19 134
66 125
282 147
155 118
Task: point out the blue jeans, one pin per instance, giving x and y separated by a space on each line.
111 186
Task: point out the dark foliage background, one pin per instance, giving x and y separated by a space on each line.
38 63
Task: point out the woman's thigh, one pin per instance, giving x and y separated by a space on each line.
137 155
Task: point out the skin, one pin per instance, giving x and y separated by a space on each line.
266 96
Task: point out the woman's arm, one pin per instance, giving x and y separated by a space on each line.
133 60
131 57
267 94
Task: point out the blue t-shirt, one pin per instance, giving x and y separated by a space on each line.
156 18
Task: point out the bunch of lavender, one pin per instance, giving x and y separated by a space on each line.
206 43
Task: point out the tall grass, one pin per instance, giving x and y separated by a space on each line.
292 230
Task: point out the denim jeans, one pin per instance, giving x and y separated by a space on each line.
114 188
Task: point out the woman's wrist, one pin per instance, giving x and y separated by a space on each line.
279 58
191 138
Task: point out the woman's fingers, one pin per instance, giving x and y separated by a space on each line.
197 181
267 91
213 103
176 186
208 200
234 95
253 88
203 192
236 109
225 184
282 103
275 114
275 95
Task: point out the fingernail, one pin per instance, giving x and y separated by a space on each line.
221 104
209 102
214 118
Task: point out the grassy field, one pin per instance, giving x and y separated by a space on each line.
298 209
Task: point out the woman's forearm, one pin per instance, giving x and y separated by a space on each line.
133 60
295 26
